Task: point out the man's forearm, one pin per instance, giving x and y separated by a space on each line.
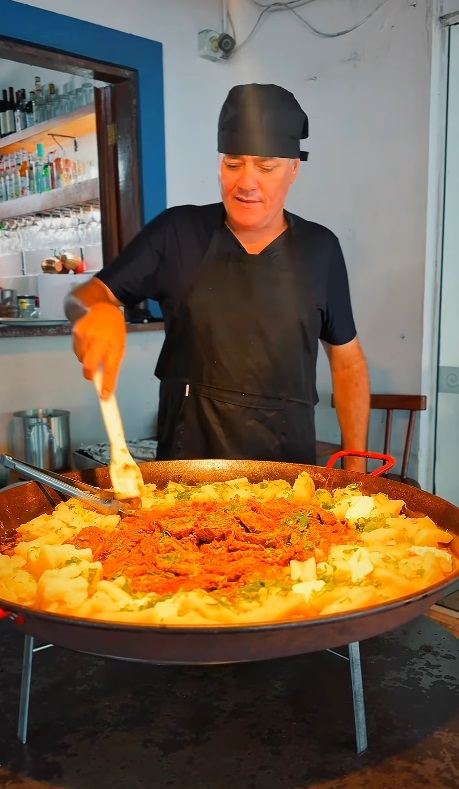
351 388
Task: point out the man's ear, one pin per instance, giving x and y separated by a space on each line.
295 169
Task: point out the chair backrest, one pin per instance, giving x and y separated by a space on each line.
397 402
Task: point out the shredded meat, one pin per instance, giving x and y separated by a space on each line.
209 533
212 546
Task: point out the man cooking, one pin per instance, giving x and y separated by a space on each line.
247 290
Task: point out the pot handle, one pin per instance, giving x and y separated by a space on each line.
18 618
390 460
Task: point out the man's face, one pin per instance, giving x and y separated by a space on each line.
254 189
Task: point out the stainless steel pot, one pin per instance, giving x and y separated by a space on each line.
41 437
220 644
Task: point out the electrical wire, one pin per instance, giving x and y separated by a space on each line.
267 9
340 32
253 31
225 14
233 31
58 143
291 5
281 5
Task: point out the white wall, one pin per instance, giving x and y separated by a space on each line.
449 7
44 373
367 96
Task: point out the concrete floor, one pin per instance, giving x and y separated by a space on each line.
283 724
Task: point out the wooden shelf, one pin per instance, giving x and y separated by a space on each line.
76 194
74 124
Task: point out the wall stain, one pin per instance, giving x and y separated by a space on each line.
354 58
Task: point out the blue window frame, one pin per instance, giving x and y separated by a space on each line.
34 26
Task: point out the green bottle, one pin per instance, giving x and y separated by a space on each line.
43 175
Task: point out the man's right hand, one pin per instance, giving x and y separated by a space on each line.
99 341
99 331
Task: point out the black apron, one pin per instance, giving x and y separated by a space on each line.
237 367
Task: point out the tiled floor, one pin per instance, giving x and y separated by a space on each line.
283 724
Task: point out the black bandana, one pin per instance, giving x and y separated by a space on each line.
262 120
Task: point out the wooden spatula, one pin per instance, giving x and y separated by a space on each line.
125 474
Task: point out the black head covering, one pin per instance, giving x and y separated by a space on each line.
262 120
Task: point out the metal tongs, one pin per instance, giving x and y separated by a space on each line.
101 500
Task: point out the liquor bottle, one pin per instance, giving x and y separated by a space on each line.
3 195
38 87
32 175
9 178
23 108
31 110
52 103
7 115
46 175
3 109
52 169
60 172
17 112
39 100
42 176
17 176
24 174
20 110
10 111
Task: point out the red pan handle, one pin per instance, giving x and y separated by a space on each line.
18 618
390 460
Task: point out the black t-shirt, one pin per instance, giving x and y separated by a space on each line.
160 261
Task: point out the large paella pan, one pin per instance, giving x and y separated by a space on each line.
210 644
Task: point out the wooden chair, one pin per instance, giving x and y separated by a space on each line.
325 449
389 403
